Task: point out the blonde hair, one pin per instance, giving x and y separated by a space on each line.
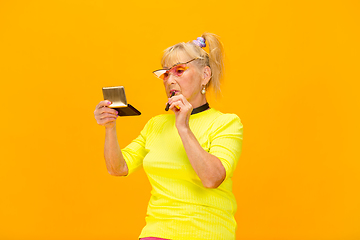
214 59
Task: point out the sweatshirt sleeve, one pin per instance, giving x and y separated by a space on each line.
226 141
135 152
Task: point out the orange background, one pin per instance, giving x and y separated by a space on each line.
292 77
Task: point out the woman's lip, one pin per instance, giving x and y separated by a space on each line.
176 91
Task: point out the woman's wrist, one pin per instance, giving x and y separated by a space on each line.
110 128
184 130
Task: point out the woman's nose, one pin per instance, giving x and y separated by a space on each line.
171 78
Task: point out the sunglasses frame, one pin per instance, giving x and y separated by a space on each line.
168 69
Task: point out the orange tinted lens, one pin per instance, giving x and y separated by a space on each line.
165 75
179 69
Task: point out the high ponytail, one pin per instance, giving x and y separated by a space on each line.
216 59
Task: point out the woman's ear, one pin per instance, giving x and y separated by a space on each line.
207 75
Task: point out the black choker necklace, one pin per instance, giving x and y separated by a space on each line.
200 109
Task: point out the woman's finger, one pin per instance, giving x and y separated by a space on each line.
179 97
105 109
108 110
104 103
178 106
106 121
101 107
107 115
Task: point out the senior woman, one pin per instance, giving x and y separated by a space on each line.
190 155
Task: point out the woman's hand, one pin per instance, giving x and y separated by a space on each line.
104 115
182 109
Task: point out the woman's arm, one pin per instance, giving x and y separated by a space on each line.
114 159
208 167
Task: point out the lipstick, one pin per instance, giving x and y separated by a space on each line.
168 105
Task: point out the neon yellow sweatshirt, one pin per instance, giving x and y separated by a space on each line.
180 207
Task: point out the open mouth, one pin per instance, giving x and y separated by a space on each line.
176 91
